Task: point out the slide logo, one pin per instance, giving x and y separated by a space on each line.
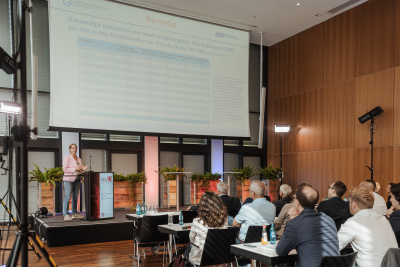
106 179
68 2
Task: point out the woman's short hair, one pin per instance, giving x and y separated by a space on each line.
72 145
258 187
285 189
395 190
363 197
212 210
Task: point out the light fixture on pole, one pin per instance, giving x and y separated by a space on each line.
281 129
10 107
371 115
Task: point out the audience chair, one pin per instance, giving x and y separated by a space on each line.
217 247
391 258
148 235
347 260
254 233
188 217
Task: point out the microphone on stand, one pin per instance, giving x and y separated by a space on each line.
90 163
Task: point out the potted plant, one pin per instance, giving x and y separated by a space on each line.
47 182
136 182
271 174
169 196
243 181
203 182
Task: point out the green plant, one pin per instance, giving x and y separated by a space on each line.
119 177
204 179
51 175
244 174
197 177
271 173
171 176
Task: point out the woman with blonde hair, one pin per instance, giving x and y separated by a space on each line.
212 214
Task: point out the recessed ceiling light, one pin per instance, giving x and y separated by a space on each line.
298 4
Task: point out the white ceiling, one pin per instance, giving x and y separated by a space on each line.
277 19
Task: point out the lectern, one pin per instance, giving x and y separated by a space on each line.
99 195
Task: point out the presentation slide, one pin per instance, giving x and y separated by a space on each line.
126 69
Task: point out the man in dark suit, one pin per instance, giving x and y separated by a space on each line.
335 207
284 192
312 234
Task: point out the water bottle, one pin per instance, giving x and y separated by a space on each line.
138 209
272 235
180 218
142 208
264 236
345 198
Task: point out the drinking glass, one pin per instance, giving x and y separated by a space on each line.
170 220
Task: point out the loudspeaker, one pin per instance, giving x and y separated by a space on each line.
262 112
6 139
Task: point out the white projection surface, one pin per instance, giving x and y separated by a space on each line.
119 68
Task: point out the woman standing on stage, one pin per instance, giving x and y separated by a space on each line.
72 166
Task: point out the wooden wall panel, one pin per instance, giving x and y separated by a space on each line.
397 59
383 165
309 110
285 68
289 166
310 58
309 169
340 48
375 36
338 165
396 165
375 90
396 110
339 118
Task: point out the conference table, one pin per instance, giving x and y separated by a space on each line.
265 254
174 230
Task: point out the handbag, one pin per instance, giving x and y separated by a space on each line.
178 261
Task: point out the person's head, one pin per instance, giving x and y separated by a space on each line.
257 189
395 193
377 186
389 186
368 184
337 189
212 210
73 148
285 190
222 188
361 198
306 197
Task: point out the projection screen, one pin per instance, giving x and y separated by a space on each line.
121 68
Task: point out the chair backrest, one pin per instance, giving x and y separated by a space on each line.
188 216
391 258
217 247
348 260
254 233
149 231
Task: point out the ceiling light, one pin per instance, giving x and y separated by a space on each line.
298 4
10 107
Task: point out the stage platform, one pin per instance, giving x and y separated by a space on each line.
57 232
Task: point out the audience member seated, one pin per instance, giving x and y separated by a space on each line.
232 204
259 212
284 192
282 219
394 212
211 214
368 233
312 234
389 203
335 207
379 203
250 200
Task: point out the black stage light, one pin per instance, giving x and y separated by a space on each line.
7 63
376 112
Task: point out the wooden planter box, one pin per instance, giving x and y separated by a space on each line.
169 196
243 189
46 197
122 198
197 191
